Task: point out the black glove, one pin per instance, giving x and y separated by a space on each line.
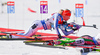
74 29
64 22
59 36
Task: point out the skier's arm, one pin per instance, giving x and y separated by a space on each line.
56 19
65 28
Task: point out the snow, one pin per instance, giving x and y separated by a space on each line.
22 19
19 48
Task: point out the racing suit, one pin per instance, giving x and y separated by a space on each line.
46 24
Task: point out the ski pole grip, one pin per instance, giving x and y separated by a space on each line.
95 26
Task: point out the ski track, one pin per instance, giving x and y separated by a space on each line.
19 48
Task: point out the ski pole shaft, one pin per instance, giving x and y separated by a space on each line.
94 26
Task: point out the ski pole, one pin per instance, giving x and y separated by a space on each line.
94 26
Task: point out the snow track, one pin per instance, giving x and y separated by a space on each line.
19 48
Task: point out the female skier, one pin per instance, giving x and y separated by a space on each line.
56 19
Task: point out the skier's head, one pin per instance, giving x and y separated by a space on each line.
98 37
66 14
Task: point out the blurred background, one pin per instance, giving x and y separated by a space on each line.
15 14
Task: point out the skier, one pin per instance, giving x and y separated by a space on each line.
57 18
83 40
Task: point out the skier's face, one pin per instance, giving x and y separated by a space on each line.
98 37
66 18
98 41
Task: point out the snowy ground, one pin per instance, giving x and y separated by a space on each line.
19 48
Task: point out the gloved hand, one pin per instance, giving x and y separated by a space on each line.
64 22
75 27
